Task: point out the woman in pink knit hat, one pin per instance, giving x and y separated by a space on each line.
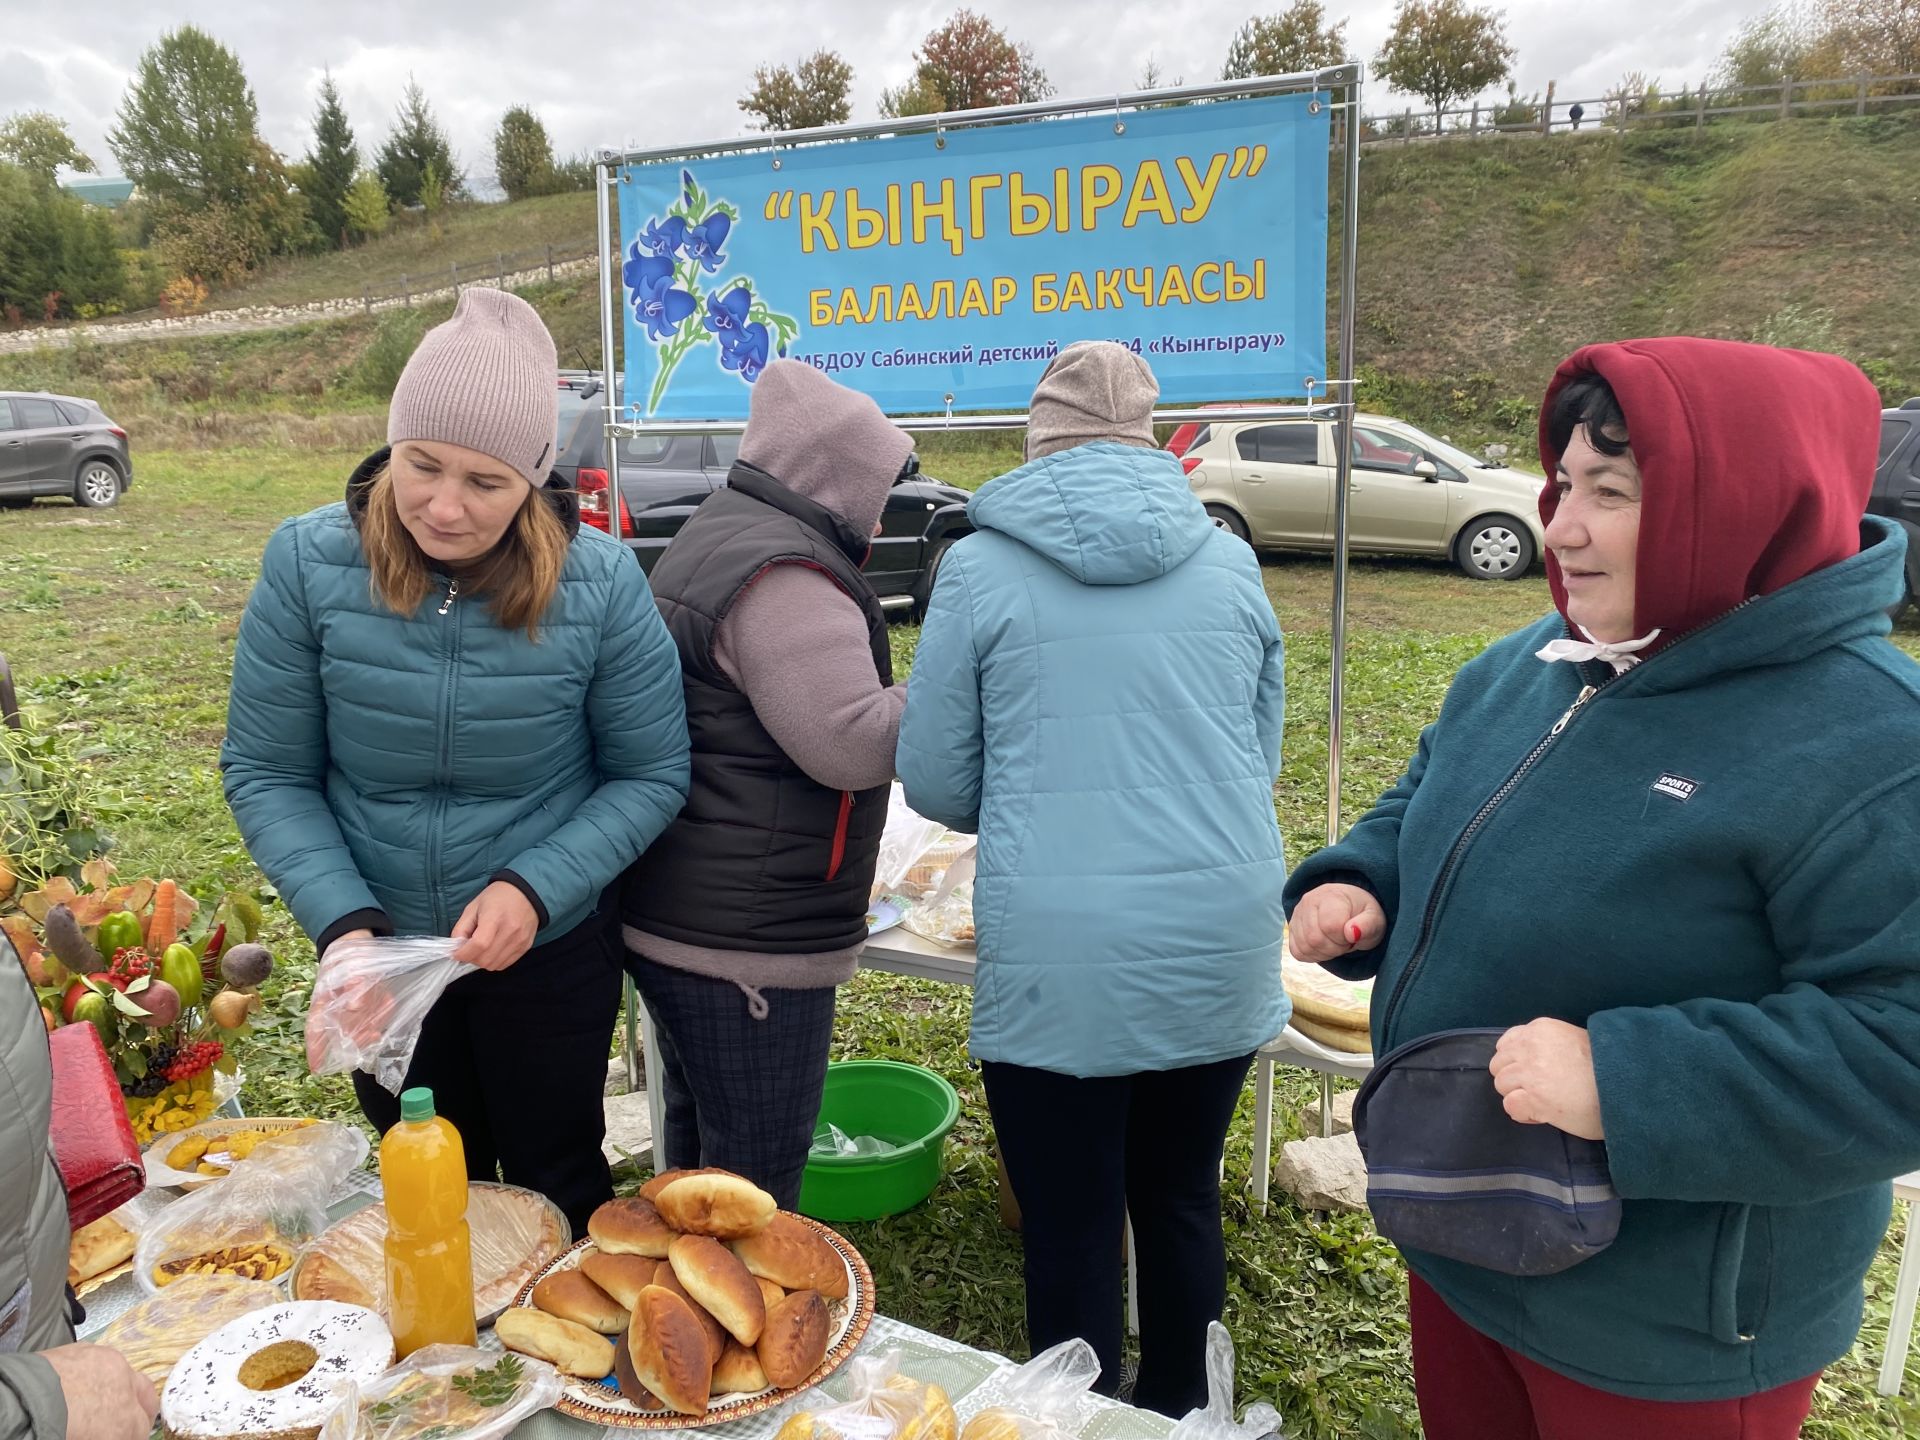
456 712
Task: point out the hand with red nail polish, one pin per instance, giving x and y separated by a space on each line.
1332 922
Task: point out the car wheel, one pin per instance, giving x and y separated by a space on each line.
923 591
1494 547
97 486
1227 520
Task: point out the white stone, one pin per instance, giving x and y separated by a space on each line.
1342 1114
629 1128
1323 1174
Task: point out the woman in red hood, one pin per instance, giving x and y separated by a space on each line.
1656 855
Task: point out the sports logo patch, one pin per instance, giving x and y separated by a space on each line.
1676 787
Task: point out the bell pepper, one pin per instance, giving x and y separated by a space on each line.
180 969
119 931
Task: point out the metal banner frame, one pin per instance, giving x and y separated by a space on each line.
1342 85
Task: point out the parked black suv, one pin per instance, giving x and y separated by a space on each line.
60 445
1896 484
663 478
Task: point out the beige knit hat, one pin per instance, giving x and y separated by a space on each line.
1095 390
488 379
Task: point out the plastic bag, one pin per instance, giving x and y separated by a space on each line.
158 1332
885 1405
370 999
1216 1422
447 1392
254 1223
1039 1399
837 1142
911 844
945 919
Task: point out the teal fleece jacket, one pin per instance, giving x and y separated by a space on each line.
1708 861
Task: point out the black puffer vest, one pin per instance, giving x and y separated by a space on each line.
764 858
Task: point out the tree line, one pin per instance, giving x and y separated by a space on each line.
216 200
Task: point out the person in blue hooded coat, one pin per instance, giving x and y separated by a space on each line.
457 712
1099 694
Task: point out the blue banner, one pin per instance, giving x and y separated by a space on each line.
938 271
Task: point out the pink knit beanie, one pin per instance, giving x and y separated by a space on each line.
488 380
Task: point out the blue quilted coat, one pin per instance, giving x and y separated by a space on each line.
1098 692
385 763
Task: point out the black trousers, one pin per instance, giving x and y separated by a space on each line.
1085 1155
742 1094
517 1060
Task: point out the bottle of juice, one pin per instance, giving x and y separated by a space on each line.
423 1170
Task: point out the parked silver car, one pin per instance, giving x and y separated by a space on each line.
1271 483
60 445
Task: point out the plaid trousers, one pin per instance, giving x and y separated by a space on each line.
743 1094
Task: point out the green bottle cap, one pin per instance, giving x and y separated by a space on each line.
416 1104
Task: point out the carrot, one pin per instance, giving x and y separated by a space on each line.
164 928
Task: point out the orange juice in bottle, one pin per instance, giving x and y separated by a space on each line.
423 1170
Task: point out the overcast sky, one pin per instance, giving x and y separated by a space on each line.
658 73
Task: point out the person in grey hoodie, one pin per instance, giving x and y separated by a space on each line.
49 1386
743 917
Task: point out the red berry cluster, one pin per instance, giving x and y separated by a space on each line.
130 963
192 1059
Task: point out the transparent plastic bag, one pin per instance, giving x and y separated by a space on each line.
255 1222
1039 1399
884 1405
904 844
945 919
446 1392
836 1141
158 1332
1216 1422
370 999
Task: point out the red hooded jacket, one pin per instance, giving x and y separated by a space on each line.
1755 462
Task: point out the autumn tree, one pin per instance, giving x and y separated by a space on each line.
811 92
40 143
1295 41
188 123
1444 50
367 206
969 63
331 164
523 155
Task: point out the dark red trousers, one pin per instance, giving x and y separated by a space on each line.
1473 1388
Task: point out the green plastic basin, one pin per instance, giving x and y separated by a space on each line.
905 1105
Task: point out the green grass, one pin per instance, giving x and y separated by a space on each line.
421 251
120 627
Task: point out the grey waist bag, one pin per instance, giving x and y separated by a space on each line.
1450 1173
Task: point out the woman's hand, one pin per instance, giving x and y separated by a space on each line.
107 1399
1545 1071
342 939
1331 922
498 927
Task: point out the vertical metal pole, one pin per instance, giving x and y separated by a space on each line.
603 173
1343 469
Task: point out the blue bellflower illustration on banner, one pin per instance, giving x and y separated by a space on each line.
666 273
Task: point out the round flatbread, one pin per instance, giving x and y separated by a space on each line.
1324 998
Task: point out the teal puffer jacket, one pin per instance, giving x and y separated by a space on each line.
385 768
1099 692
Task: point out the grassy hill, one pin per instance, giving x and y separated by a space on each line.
1482 264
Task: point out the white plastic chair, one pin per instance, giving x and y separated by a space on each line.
1906 1290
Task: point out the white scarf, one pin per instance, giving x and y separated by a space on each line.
1620 656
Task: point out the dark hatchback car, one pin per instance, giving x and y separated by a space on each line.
663 478
60 445
1896 483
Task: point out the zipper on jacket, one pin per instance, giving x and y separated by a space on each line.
1494 801
1480 818
840 827
443 769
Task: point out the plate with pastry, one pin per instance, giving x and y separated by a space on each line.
99 1253
694 1303
515 1232
190 1159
